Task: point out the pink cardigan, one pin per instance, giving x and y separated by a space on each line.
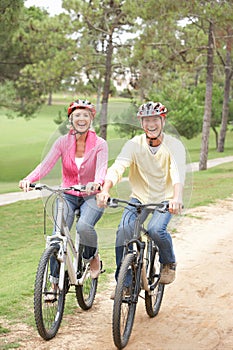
92 169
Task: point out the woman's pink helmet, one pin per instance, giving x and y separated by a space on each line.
81 104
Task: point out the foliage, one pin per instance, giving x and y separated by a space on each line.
127 123
10 12
51 60
42 62
76 54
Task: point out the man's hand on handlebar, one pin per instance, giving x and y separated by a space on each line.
102 199
175 206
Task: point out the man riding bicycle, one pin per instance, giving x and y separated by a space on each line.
156 164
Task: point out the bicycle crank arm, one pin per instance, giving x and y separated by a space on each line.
153 285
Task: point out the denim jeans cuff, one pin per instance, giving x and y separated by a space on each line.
86 260
53 279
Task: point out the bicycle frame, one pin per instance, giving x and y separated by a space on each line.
140 247
70 269
68 254
144 275
137 243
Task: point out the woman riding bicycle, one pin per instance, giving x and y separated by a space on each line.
84 158
156 164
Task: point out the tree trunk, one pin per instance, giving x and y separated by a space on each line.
216 135
106 89
208 101
225 107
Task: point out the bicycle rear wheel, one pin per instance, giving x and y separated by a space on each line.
48 314
86 292
153 298
124 307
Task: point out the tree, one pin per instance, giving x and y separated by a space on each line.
10 14
50 60
99 25
10 11
228 76
208 99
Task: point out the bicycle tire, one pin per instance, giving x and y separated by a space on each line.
153 298
85 293
48 315
124 308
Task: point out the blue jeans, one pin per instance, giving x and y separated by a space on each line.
157 230
89 214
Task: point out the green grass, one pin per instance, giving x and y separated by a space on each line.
215 183
193 146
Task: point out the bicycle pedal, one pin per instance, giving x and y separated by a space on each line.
101 267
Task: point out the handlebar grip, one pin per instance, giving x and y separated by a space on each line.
112 202
32 185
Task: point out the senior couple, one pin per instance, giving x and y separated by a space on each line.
156 163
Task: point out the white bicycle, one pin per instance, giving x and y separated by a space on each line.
71 269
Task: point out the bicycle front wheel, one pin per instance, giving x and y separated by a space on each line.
153 298
48 313
124 306
85 293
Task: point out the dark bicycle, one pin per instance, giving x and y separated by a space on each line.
72 270
141 262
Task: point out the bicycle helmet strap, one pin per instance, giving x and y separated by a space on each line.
151 139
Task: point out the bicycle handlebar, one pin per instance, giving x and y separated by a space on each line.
161 207
78 188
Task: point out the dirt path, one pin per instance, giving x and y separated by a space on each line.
197 309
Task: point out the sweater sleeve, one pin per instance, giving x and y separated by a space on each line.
47 164
178 163
101 163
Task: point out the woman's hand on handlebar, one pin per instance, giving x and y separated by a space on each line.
25 185
102 199
92 187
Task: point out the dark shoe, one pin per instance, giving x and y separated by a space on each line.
168 274
95 266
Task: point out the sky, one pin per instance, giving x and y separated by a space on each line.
52 6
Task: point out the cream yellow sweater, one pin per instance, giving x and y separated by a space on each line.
151 176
